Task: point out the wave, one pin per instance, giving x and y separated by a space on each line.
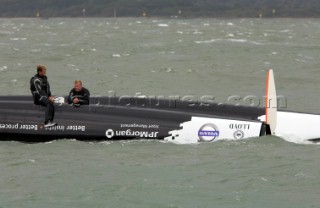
18 38
163 25
232 40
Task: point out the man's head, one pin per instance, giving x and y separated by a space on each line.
77 85
41 70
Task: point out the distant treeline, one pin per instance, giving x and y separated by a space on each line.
160 8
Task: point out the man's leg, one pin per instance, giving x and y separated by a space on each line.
49 112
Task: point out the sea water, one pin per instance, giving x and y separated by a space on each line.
221 58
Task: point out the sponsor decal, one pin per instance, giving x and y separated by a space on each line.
76 128
18 126
201 129
65 128
143 126
35 127
28 127
208 132
131 133
239 134
239 126
109 133
53 128
9 126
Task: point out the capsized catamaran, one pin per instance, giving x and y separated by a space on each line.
112 118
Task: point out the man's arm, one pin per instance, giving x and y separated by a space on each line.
48 89
70 97
43 95
86 98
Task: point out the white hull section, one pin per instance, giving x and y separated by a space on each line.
297 127
201 129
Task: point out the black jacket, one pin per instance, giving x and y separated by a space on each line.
83 96
40 89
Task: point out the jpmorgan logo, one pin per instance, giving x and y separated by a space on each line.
109 133
208 132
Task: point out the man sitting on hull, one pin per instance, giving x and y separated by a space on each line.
40 90
79 95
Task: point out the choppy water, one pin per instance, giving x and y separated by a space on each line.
163 57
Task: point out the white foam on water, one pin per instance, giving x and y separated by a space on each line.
74 69
115 55
18 38
3 68
208 41
183 23
35 50
31 160
168 70
197 33
307 57
163 25
238 40
230 35
232 40
106 142
6 32
295 139
301 60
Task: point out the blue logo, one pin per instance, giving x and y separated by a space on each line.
208 133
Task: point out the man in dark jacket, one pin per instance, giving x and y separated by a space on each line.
79 95
40 90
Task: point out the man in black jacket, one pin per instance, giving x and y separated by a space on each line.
40 90
79 95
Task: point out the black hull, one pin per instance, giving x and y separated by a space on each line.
129 118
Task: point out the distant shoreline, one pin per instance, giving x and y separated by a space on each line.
183 9
156 17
